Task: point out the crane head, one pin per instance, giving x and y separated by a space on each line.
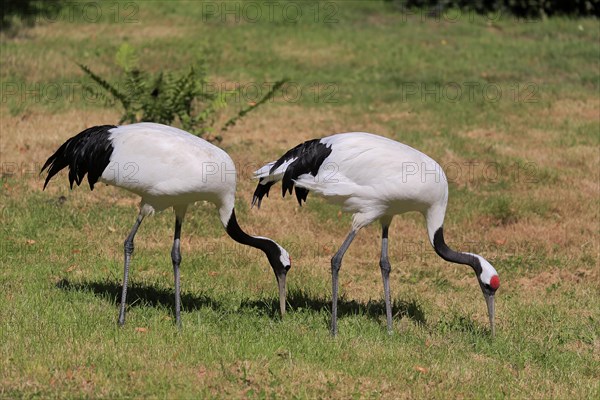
489 282
281 262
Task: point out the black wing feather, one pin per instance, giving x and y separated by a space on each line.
309 156
260 192
86 153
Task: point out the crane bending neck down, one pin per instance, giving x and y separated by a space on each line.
375 178
486 274
166 167
277 256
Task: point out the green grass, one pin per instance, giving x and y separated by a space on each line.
536 221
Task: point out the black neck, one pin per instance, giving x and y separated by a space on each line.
237 234
442 249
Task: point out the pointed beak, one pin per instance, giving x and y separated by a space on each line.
281 283
491 306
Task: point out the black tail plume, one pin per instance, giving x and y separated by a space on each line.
260 192
306 158
86 153
301 194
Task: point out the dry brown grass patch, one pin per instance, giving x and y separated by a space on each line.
575 109
566 230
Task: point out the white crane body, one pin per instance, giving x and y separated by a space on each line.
375 178
166 167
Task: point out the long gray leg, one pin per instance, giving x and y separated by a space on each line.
128 247
176 257
336 263
385 266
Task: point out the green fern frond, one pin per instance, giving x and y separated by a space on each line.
169 98
231 122
106 86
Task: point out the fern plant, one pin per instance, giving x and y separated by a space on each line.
168 98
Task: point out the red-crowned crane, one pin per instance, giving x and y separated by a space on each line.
167 167
375 178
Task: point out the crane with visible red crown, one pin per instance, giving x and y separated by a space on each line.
375 178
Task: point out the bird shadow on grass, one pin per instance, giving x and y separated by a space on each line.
139 295
142 295
298 300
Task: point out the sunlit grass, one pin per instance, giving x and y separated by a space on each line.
523 193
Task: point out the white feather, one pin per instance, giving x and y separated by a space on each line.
168 166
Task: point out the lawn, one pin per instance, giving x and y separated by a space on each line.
509 108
